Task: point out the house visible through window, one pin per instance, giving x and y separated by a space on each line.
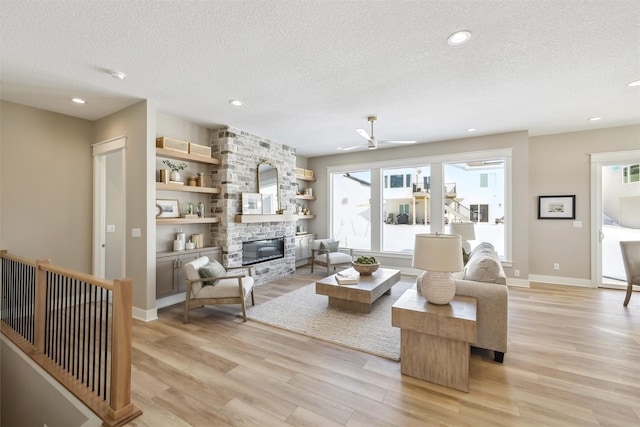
630 174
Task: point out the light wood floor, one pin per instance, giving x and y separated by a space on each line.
573 360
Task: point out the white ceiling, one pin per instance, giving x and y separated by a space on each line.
310 72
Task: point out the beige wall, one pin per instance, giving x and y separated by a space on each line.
517 141
559 165
46 186
134 123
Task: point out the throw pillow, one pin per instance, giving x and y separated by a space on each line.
483 266
330 246
213 269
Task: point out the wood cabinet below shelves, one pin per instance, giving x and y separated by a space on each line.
170 275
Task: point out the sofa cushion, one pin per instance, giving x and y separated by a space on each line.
483 265
212 269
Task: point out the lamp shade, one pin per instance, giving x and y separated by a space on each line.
438 252
466 230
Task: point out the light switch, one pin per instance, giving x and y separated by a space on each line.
111 228
577 224
135 232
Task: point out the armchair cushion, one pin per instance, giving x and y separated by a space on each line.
212 269
330 245
334 258
226 288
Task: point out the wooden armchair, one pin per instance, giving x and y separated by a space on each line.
228 289
326 252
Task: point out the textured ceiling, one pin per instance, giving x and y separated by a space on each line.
310 72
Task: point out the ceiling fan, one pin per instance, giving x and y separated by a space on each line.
373 142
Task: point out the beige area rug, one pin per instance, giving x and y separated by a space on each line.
304 312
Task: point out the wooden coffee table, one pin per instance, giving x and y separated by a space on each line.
358 296
435 339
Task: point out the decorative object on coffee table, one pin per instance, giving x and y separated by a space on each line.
365 265
439 255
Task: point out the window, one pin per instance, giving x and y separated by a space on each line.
396 181
630 174
351 208
405 208
476 192
380 207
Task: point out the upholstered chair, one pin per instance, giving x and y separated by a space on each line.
328 253
631 258
222 288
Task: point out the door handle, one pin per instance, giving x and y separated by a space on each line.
601 235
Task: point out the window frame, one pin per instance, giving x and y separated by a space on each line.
436 163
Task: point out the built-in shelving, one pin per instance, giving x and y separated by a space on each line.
306 217
173 221
179 155
305 197
187 188
306 178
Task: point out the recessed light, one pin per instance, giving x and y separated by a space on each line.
118 75
459 38
79 100
594 119
634 84
471 130
235 102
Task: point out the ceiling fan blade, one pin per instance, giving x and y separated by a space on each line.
349 148
400 142
363 133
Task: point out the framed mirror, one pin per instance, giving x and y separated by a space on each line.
268 187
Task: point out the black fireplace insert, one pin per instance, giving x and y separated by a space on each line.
256 251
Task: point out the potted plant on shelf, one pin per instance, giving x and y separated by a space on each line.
175 169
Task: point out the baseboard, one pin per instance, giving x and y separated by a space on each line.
556 280
170 300
145 315
518 283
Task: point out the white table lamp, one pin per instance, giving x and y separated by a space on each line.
466 231
439 255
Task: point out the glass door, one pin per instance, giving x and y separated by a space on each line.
620 217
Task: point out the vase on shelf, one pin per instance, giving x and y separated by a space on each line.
175 176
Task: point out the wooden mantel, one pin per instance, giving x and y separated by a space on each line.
245 219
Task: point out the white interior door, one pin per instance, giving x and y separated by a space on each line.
109 198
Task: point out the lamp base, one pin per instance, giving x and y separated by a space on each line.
438 287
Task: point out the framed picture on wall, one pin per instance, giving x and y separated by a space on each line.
557 207
251 203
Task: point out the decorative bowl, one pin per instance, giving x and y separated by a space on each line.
365 269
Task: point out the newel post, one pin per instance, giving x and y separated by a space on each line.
121 405
40 306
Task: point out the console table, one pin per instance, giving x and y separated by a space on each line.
435 339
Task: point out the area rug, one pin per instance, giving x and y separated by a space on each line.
304 312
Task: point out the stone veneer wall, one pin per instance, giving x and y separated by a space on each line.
241 153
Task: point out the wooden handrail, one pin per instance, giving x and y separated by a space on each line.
73 303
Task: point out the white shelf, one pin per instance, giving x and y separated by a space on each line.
173 221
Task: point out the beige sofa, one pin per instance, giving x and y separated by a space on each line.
483 279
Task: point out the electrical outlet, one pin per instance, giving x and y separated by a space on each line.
516 273
135 232
111 228
556 266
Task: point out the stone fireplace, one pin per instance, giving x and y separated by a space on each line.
241 153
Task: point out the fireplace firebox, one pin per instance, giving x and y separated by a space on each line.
256 251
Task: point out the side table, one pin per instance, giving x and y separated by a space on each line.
435 339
